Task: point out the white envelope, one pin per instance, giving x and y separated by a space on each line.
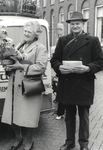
72 64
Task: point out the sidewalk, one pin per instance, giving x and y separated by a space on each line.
50 134
54 130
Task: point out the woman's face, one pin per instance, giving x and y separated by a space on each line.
29 34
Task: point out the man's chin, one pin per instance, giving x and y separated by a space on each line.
76 32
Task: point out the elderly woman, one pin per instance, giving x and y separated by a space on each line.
19 110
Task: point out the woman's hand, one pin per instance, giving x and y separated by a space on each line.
79 70
15 66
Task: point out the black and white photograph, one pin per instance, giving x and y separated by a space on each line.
51 75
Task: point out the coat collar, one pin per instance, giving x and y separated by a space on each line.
81 41
32 46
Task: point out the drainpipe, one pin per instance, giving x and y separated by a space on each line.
76 5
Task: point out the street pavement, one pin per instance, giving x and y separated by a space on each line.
51 133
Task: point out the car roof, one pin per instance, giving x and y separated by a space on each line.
15 20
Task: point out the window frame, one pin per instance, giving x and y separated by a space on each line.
52 2
61 15
61 1
44 3
68 25
53 29
96 22
86 23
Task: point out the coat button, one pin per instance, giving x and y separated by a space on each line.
68 58
66 79
80 58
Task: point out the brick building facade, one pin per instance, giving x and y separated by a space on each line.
55 11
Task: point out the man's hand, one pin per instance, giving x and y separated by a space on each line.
81 69
64 70
78 70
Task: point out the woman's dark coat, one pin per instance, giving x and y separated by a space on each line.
73 88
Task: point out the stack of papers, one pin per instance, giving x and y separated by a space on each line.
72 64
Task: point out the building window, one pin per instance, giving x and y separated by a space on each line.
69 15
44 15
61 0
12 3
61 15
44 3
52 28
86 16
99 23
2 2
52 2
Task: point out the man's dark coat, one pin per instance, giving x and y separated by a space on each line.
73 88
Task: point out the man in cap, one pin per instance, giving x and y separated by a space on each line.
60 29
77 57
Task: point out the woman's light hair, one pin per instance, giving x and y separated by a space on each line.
35 25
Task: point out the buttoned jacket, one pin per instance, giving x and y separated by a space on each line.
26 109
73 88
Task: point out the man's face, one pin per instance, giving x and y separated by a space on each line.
76 26
59 31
